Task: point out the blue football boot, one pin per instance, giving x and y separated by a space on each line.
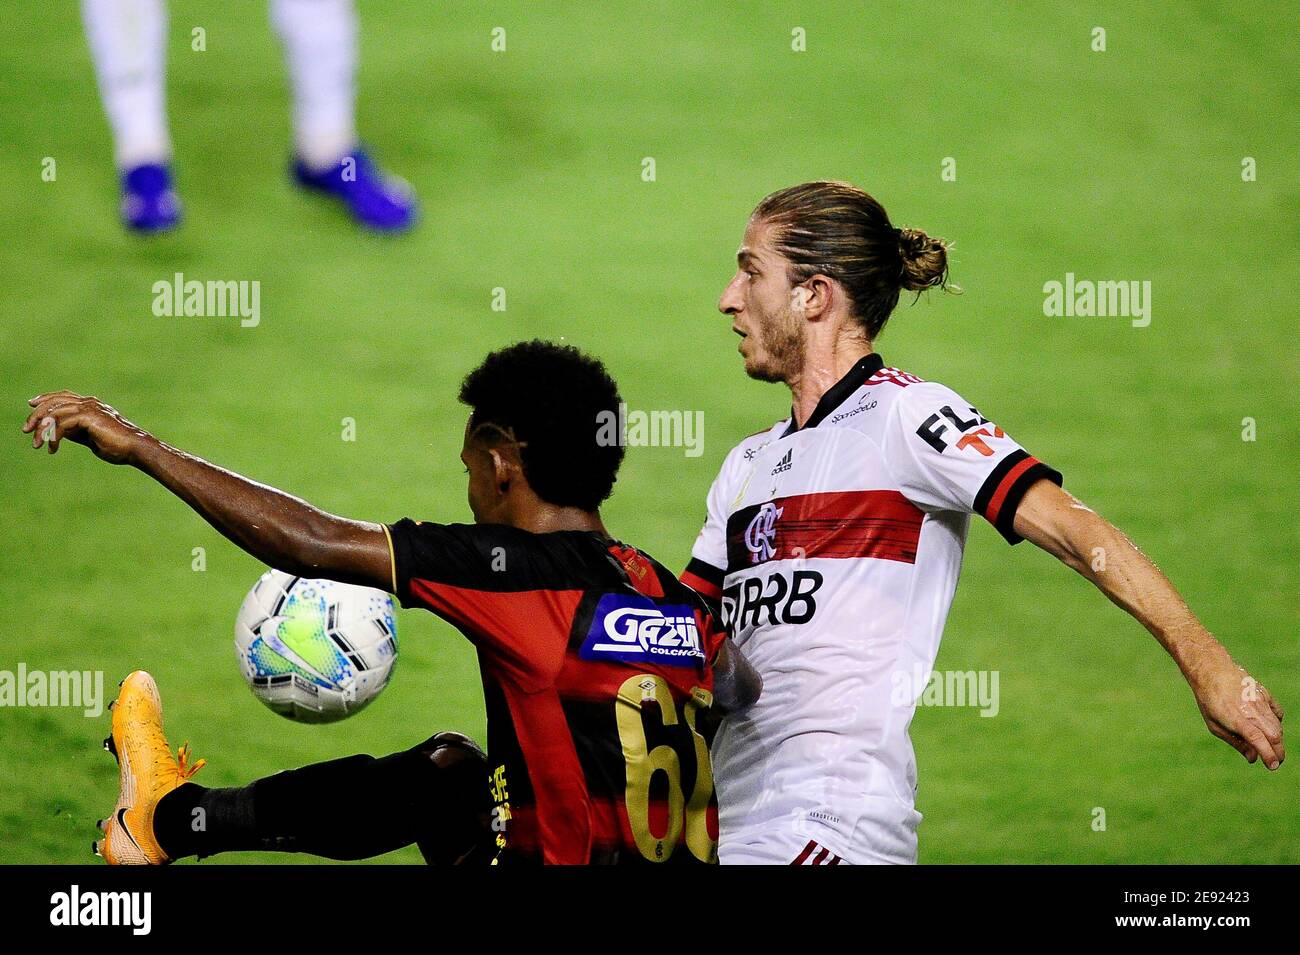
149 203
376 201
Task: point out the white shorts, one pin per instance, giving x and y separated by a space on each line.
796 843
778 845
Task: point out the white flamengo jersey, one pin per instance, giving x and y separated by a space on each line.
835 550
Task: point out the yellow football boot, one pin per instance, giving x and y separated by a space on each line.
148 772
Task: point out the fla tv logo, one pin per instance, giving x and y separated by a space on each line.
630 628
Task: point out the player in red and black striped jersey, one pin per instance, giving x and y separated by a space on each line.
603 675
593 658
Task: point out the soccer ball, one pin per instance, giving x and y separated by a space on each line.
315 651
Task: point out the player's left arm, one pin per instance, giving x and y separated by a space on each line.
1236 709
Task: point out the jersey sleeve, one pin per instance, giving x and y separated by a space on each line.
492 583
708 564
948 457
433 553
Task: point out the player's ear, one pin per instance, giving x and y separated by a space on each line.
813 296
503 470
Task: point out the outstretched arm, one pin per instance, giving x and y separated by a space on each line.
283 531
1236 709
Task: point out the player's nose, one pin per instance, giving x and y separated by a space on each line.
731 300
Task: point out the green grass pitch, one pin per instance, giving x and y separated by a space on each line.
1123 164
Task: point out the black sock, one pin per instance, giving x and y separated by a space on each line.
174 818
350 808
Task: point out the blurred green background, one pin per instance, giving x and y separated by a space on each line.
1123 164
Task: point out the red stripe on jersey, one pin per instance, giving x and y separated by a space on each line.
591 680
1000 495
561 810
700 585
894 377
879 524
507 625
821 856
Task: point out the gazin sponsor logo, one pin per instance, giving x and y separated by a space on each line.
635 629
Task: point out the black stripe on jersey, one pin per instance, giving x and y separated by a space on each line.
1007 513
499 559
706 571
674 590
1006 517
990 485
503 746
583 616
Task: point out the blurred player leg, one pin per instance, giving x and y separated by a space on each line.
320 46
127 41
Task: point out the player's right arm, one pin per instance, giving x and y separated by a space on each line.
279 529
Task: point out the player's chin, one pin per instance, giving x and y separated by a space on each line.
760 370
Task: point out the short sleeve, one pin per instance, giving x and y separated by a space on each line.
948 457
438 553
497 585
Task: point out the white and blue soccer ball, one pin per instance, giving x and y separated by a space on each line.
315 651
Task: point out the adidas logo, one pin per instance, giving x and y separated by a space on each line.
784 464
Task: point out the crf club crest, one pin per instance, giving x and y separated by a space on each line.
760 535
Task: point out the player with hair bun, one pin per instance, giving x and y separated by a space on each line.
834 539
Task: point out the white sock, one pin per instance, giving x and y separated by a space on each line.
128 42
320 48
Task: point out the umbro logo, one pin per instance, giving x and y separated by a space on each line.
785 463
